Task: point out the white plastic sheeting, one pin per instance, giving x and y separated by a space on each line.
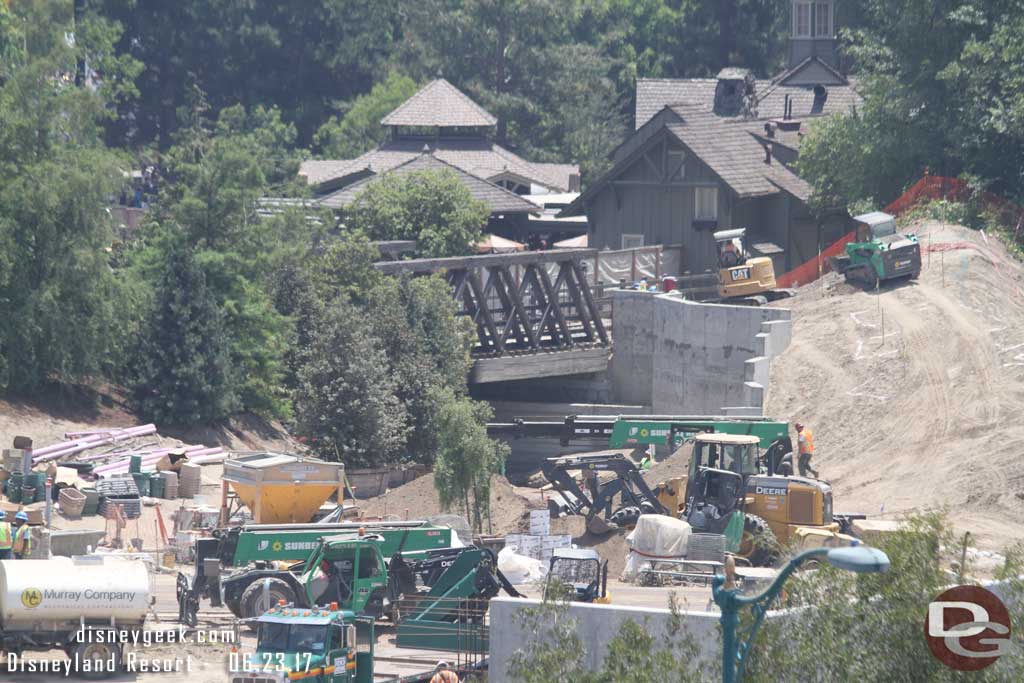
520 569
656 537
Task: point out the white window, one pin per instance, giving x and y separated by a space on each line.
801 20
632 241
823 20
705 203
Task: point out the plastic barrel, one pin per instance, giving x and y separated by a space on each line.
157 487
142 483
135 464
14 491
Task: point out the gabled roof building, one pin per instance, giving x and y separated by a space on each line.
440 127
713 154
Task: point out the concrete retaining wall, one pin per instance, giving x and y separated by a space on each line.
684 357
596 625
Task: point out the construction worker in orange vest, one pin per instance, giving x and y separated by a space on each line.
805 439
6 537
442 674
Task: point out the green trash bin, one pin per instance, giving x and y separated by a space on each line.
142 483
157 487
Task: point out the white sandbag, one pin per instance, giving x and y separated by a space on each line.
519 569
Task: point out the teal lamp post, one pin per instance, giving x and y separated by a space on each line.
858 558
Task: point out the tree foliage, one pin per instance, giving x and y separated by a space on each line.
359 129
466 457
871 625
216 174
297 55
431 207
182 370
941 91
57 292
345 400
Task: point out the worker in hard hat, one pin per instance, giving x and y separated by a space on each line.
806 445
22 537
442 674
6 537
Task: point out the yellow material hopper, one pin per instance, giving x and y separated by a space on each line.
283 489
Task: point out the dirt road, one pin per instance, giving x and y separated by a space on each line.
915 392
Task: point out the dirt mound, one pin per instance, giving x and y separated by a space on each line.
915 392
418 499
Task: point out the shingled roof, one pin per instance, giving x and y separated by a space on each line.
477 156
439 104
653 94
730 147
498 199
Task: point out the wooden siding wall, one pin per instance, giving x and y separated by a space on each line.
639 203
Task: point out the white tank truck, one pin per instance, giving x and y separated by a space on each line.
84 606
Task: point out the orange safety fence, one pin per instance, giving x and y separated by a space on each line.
928 188
811 270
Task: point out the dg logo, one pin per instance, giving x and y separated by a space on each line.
967 628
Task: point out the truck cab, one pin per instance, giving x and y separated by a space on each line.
347 570
313 645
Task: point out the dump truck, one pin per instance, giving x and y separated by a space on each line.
878 252
74 605
227 564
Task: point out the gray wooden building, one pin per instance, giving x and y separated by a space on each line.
711 154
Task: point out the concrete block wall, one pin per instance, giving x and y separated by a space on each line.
691 358
596 625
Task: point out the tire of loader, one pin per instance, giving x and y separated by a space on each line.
759 544
252 603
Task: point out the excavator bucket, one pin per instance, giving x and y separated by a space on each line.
599 526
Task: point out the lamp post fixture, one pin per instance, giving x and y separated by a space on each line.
857 558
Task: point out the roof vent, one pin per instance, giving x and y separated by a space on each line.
734 88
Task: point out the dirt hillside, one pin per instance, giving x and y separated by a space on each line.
46 417
915 394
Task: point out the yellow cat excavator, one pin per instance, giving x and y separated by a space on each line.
742 278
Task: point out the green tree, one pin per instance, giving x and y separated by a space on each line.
869 627
431 207
296 55
217 174
427 345
941 91
57 289
345 268
466 457
182 372
345 402
359 129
